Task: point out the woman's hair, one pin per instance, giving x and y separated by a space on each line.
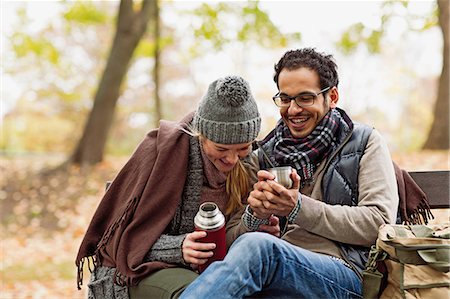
237 185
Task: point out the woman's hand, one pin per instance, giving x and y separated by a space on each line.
194 252
273 227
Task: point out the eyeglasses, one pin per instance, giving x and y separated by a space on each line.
302 100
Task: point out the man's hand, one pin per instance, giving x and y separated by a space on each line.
268 197
194 252
257 198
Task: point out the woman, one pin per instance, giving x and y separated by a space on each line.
141 240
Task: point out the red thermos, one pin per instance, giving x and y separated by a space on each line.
210 219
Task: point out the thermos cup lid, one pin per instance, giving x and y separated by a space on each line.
209 217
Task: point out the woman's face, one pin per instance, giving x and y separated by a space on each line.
225 156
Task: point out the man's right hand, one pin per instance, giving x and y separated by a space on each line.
268 197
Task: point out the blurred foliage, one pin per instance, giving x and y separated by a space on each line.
224 22
86 13
359 34
146 47
35 132
68 54
23 44
57 89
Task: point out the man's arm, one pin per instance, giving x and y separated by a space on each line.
377 203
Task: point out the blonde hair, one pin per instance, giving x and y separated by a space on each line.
237 186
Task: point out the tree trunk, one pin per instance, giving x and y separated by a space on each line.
157 33
438 137
131 26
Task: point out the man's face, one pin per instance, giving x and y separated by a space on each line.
302 121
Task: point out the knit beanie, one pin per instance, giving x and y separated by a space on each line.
228 113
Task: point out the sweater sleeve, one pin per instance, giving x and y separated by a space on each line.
167 249
377 202
235 227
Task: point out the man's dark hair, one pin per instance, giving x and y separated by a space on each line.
322 63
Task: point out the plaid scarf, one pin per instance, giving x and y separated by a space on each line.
305 154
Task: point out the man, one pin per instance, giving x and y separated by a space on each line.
344 190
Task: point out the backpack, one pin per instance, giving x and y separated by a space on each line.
416 259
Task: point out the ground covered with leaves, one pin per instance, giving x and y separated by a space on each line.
44 215
45 212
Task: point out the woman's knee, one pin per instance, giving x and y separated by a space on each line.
165 283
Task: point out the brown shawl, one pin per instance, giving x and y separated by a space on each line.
138 206
413 202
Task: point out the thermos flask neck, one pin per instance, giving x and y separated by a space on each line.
209 217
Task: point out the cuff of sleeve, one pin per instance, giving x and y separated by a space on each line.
251 222
293 214
180 251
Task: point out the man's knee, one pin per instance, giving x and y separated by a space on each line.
255 243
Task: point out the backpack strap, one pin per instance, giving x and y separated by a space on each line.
373 278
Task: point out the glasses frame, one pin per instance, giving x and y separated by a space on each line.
294 98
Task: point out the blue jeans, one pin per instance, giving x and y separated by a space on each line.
263 266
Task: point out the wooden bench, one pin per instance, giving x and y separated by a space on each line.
436 185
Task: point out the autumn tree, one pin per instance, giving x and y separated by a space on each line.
131 25
438 137
72 50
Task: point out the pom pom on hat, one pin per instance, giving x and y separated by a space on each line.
234 91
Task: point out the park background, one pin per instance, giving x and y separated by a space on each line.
58 58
